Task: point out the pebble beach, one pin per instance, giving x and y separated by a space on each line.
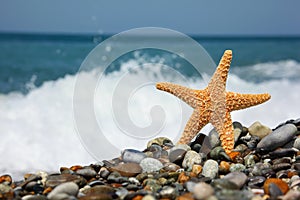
265 165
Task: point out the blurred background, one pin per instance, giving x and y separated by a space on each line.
43 43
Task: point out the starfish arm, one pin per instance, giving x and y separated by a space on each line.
237 101
221 72
196 122
188 95
225 130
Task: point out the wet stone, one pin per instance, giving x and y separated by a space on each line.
278 137
256 181
64 191
176 156
132 155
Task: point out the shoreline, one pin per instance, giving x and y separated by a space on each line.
265 165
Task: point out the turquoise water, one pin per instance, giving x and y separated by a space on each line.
27 58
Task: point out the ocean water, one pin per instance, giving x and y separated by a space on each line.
38 74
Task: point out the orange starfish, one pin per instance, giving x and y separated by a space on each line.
213 104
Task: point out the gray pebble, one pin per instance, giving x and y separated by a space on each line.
151 165
132 155
237 167
278 137
297 143
210 169
191 157
239 178
260 130
214 138
202 190
87 172
63 191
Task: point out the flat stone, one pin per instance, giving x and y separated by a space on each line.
63 191
177 155
151 165
132 155
239 178
57 179
260 130
126 169
210 169
278 137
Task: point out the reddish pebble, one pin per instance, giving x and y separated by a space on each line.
283 186
197 169
183 177
224 167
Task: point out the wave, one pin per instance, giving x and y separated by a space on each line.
38 129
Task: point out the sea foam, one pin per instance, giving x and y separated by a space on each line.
38 129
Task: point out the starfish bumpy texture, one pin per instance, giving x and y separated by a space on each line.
213 104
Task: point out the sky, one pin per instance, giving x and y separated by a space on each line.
230 17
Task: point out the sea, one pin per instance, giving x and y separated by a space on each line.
39 72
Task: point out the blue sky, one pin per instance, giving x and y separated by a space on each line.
231 17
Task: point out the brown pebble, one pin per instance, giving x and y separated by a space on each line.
283 186
75 167
127 169
138 197
6 179
197 169
47 190
186 196
183 177
224 167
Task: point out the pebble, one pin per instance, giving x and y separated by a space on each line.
191 157
237 167
127 169
239 178
64 191
214 138
202 191
255 170
151 165
278 137
257 129
297 143
132 155
210 169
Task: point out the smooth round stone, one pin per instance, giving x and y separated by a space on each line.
191 158
237 167
256 181
132 155
127 169
280 184
63 191
278 137
239 178
171 167
148 197
210 169
260 130
297 143
181 146
292 195
151 165
116 177
202 191
87 172
177 155
260 168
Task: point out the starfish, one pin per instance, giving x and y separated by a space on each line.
213 104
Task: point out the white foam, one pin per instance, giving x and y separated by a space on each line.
37 129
